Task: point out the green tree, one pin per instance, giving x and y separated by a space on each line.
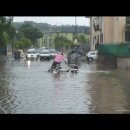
62 42
27 42
19 35
58 41
4 39
32 33
20 45
11 31
72 46
67 43
23 44
5 23
26 24
81 38
45 26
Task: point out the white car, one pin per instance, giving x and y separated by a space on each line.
45 54
31 55
91 55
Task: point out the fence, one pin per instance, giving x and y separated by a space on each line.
114 49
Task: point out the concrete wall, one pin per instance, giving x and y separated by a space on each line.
107 60
122 62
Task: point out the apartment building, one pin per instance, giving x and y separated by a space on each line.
105 30
49 37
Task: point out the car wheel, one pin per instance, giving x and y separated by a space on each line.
90 59
49 58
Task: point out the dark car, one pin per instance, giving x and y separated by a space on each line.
38 52
45 54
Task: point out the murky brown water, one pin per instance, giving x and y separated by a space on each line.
27 87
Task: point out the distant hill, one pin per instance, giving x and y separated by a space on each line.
47 27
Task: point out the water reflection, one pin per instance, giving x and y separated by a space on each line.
28 63
56 76
108 93
95 89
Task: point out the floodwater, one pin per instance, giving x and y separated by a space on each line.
27 88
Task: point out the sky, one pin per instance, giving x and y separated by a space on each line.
54 20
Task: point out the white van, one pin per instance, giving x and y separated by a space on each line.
91 55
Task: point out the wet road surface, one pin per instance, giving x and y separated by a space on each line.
27 88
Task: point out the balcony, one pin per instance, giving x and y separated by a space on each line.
96 27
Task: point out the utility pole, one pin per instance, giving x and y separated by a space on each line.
76 44
75 27
62 39
12 37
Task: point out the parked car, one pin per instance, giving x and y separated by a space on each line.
46 48
91 55
31 55
45 54
53 52
38 52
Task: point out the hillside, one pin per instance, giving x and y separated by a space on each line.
46 27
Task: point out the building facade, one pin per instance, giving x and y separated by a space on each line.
105 30
49 37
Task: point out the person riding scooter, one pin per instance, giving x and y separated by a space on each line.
57 61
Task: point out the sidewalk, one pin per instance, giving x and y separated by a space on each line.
9 55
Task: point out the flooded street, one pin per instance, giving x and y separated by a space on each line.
27 88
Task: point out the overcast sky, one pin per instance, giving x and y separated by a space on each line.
53 20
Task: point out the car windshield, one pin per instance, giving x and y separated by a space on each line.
53 51
45 52
38 51
31 52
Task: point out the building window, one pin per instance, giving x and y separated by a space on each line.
101 38
95 40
